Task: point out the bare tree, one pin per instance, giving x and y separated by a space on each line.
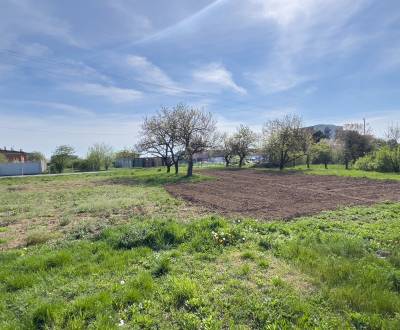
196 131
160 137
361 128
284 139
393 133
243 141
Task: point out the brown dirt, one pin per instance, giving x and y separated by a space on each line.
269 195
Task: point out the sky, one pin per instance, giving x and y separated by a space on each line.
81 72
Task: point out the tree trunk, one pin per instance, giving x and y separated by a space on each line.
241 159
326 165
346 164
168 168
190 166
176 167
226 163
308 161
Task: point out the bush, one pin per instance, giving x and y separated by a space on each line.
384 160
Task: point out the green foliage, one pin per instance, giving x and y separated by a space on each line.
383 160
62 157
100 155
321 153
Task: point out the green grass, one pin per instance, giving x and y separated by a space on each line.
171 267
340 170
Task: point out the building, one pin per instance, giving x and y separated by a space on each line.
139 162
14 156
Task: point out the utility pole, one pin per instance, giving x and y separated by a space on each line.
364 125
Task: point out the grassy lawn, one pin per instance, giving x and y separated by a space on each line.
121 252
341 171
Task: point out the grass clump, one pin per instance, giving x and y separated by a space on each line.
38 237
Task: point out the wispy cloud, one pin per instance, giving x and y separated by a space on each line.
218 76
114 94
150 73
61 108
305 31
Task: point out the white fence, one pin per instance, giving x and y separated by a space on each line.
26 168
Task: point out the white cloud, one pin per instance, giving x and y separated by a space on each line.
217 75
152 74
114 94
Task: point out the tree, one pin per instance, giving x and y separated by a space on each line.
100 155
354 145
393 134
243 141
227 147
3 159
61 157
36 156
322 153
285 139
196 131
160 137
361 128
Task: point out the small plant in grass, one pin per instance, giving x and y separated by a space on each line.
44 316
263 263
244 270
248 255
38 237
162 267
182 290
266 245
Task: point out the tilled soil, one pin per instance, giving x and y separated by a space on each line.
270 195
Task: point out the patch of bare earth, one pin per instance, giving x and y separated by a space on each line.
269 195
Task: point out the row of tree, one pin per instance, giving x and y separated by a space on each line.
99 156
180 132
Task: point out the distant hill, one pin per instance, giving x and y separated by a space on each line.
324 128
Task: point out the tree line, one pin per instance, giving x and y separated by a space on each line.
181 132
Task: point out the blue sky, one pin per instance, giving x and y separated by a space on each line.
79 72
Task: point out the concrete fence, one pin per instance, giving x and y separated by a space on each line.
26 168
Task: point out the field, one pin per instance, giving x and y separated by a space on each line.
115 250
274 195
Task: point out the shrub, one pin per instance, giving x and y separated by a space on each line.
384 160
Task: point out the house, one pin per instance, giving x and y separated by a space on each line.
18 163
14 156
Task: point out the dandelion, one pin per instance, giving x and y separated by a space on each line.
121 323
122 282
